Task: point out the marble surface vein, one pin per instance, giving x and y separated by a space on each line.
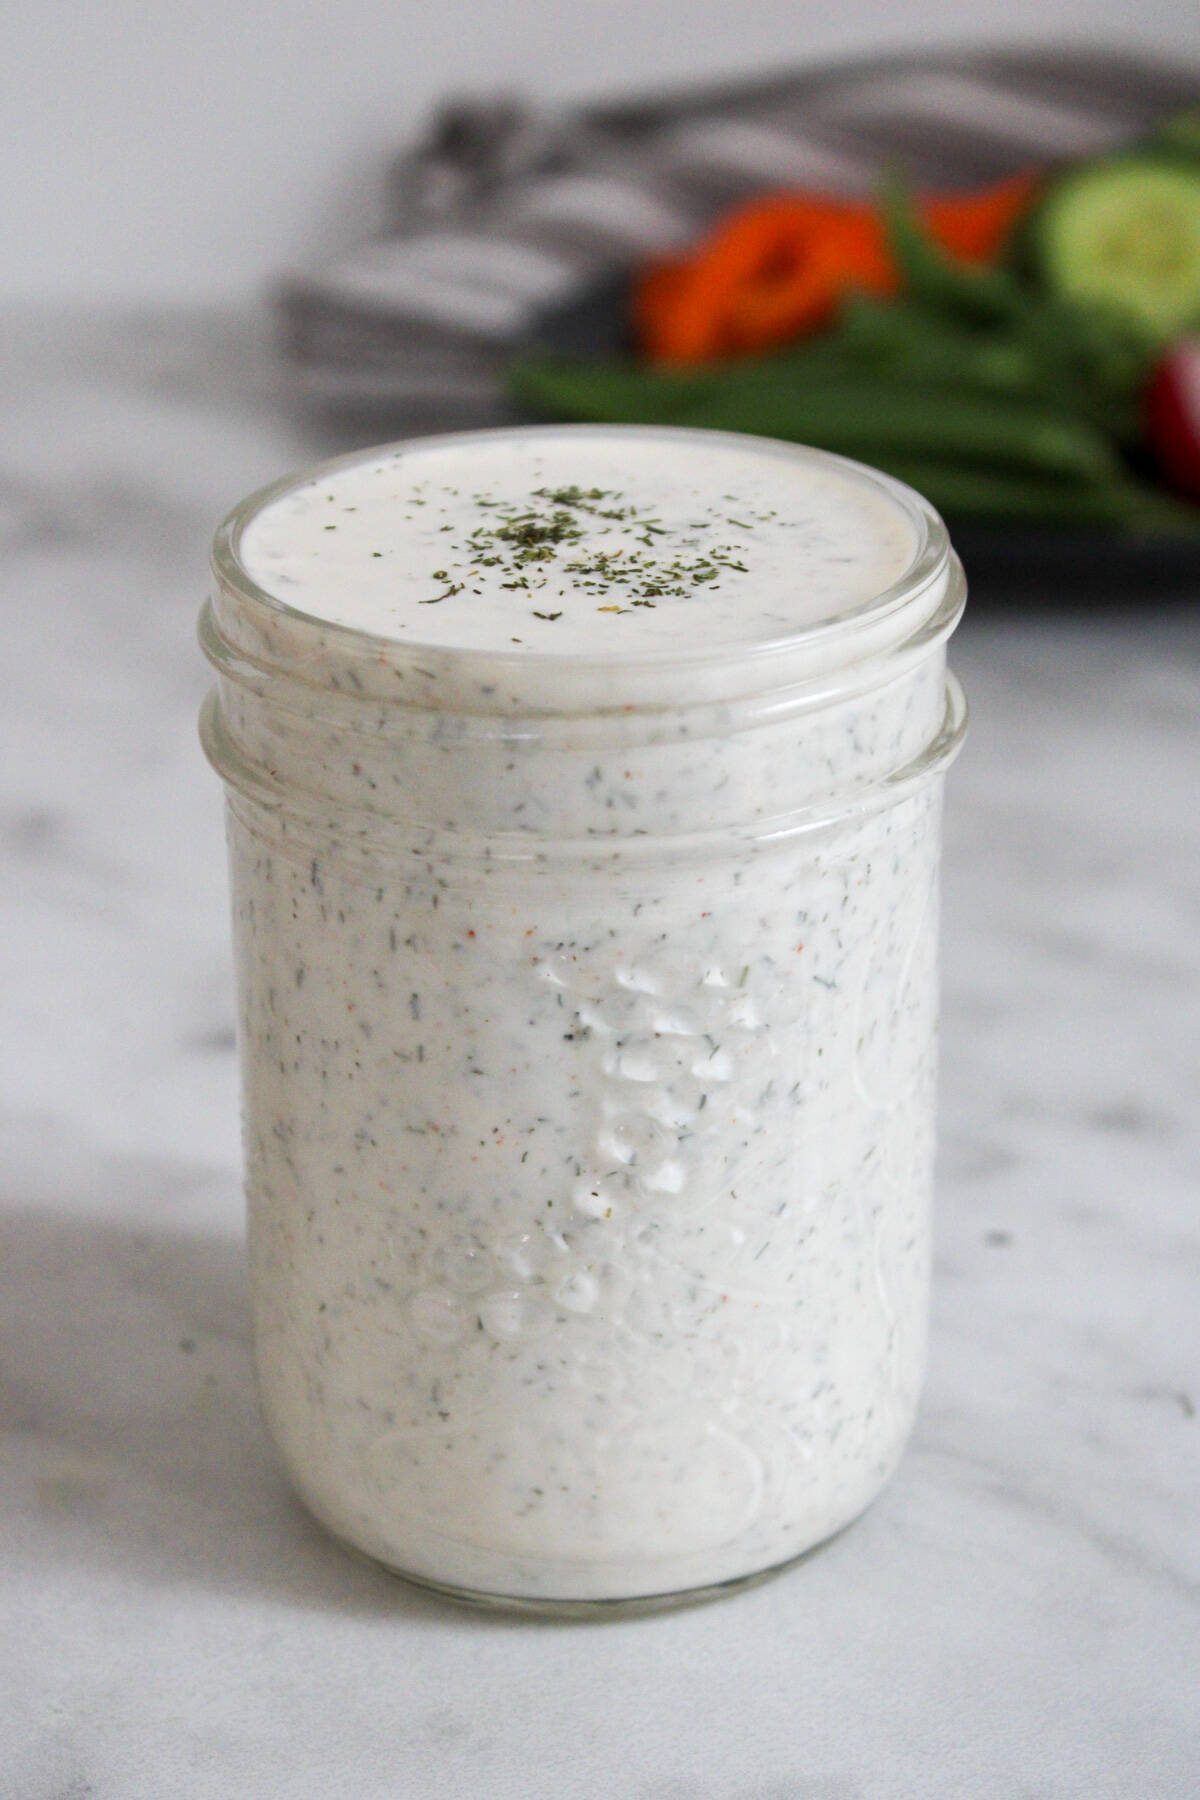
1017 1619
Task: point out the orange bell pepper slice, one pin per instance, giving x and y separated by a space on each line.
781 265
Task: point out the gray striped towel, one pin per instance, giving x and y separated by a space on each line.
506 211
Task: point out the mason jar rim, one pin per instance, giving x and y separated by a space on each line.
928 575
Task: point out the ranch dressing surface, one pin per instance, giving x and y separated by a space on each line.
588 1108
567 544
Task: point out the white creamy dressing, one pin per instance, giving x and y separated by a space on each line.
710 544
588 1184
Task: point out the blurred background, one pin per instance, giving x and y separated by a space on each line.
215 269
410 202
188 152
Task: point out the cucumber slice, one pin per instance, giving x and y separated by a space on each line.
1126 234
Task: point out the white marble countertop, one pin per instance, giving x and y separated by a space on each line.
1016 1619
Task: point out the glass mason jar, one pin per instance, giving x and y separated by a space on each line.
587 1026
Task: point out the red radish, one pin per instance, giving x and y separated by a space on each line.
1173 414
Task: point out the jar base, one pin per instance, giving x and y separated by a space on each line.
597 1610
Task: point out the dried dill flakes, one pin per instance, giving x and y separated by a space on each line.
520 541
534 537
585 500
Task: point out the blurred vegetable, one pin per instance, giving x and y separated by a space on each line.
977 227
1090 358
1173 415
996 398
773 270
869 416
779 268
1179 135
968 450
1125 232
